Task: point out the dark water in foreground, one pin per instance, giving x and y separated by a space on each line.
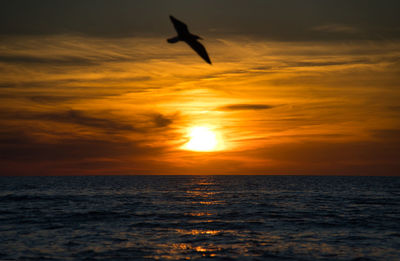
200 217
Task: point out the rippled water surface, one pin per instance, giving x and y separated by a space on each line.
200 217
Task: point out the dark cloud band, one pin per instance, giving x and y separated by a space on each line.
242 107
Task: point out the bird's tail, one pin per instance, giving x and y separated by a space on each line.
173 39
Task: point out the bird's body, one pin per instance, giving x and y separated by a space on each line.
191 39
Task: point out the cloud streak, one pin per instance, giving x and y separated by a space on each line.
55 61
244 107
145 123
336 28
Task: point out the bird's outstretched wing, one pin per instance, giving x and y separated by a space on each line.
199 48
180 27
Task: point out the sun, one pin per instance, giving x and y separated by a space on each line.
201 139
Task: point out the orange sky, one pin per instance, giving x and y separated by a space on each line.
74 104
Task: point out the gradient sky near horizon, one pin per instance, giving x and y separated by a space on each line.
296 87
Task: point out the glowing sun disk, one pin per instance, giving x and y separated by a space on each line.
201 139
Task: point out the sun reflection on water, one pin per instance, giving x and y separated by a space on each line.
198 232
177 251
202 197
199 214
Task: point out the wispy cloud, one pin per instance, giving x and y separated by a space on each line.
101 120
161 121
387 134
336 28
243 107
32 59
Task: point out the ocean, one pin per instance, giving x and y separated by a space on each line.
200 218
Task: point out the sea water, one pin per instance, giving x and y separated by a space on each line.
200 217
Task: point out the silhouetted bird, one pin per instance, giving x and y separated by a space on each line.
187 37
